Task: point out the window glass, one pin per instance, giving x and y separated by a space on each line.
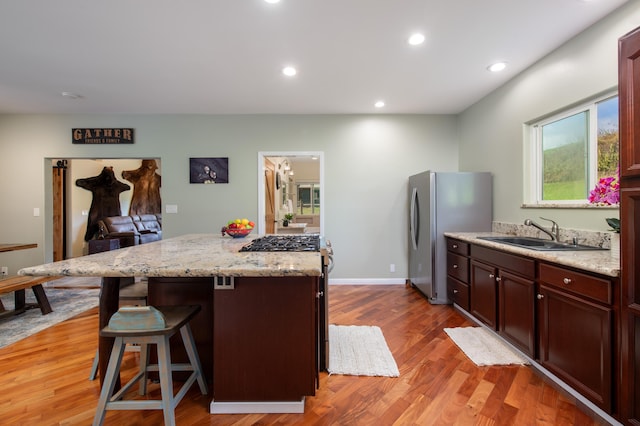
308 198
565 160
608 138
571 151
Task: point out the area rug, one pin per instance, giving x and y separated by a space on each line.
65 303
359 351
483 347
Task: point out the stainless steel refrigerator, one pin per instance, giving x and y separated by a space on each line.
443 202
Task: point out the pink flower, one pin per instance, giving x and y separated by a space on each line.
607 190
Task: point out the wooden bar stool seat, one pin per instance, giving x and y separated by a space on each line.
176 318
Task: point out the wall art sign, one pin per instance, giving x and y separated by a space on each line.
209 170
102 136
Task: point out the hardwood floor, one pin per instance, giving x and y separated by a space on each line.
44 378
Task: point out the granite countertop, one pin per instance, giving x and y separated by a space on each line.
598 261
194 255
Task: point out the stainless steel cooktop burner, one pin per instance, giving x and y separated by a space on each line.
284 243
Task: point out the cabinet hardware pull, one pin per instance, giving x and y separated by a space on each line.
491 276
540 296
455 246
566 280
498 279
455 266
455 291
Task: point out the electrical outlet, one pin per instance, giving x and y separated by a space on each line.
392 267
5 271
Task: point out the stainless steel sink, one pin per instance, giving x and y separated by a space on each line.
539 244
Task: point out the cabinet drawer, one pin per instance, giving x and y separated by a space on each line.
595 288
458 267
523 266
458 293
457 246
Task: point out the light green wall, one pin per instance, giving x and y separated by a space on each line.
491 131
367 162
367 158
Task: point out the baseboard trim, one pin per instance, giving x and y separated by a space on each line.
256 407
367 281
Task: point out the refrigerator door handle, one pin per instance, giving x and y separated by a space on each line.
414 225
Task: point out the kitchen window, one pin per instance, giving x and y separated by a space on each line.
570 151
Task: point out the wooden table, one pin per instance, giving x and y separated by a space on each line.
16 246
19 294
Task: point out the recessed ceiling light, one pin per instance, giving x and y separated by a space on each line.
71 95
272 1
416 39
289 71
498 66
379 104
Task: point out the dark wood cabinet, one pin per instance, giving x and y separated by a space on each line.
265 332
516 311
484 293
576 321
250 335
458 273
563 318
629 99
505 284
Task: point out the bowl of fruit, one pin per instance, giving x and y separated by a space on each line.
238 228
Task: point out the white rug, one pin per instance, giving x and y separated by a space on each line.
483 347
359 351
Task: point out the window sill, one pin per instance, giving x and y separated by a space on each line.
569 206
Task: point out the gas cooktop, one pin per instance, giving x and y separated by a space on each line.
284 243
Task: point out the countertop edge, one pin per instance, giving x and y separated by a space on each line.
191 255
599 262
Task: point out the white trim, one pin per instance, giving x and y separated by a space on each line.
532 151
366 281
257 407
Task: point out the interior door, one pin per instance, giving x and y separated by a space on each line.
59 212
269 197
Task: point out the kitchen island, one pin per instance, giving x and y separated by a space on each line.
258 331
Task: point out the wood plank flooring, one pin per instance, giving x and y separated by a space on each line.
44 378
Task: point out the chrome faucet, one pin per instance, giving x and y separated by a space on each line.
555 229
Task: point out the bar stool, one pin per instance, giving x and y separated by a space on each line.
135 294
144 331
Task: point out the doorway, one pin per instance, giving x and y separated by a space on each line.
68 205
294 182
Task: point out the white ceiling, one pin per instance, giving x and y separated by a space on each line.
225 56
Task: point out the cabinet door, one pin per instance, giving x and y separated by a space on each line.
483 293
629 98
265 339
629 84
516 311
576 343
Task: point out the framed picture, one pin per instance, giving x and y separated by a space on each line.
209 170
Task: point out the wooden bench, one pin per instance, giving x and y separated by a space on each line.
18 284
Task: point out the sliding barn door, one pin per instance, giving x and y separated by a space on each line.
269 197
59 211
